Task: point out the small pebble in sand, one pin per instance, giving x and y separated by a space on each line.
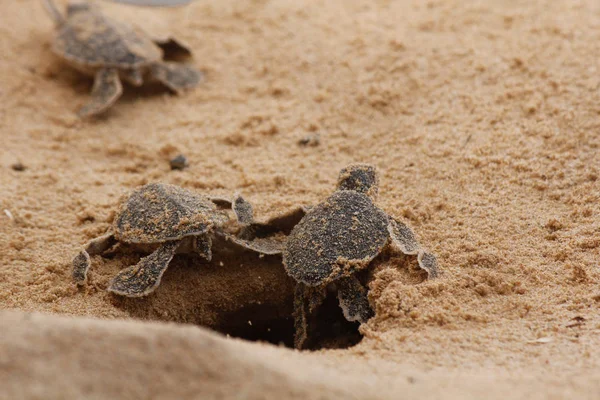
18 166
8 214
310 140
180 162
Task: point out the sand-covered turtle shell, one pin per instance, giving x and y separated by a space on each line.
90 39
336 238
160 212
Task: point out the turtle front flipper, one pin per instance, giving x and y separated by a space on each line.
177 77
269 246
353 299
268 238
428 262
105 92
81 262
251 236
403 238
222 203
144 277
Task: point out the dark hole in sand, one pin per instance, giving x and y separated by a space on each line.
330 330
258 323
238 294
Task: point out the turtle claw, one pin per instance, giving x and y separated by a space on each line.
143 278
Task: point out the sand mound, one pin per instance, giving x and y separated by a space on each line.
51 357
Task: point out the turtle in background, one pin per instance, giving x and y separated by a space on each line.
163 220
112 51
337 239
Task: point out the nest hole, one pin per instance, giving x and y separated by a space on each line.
258 323
239 295
329 328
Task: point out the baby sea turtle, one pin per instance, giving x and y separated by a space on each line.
340 237
169 218
110 50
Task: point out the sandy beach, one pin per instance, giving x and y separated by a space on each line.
481 117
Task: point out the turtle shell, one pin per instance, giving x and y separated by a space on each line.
336 238
91 39
159 212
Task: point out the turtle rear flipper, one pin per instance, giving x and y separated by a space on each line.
203 246
105 92
352 296
306 301
81 262
173 49
133 77
176 77
143 278
243 210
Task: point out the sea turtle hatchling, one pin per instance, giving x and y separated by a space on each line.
165 219
336 239
111 50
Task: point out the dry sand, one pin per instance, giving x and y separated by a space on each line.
481 116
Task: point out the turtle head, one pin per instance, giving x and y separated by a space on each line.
77 6
361 178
